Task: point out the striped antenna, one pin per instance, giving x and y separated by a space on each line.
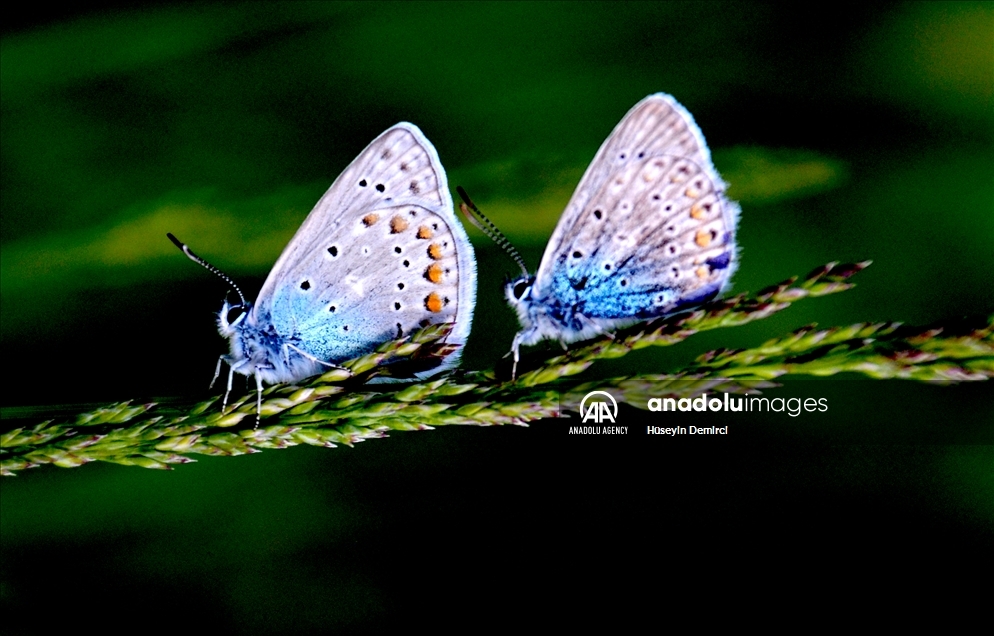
196 259
485 225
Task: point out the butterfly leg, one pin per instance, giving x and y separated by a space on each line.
514 349
231 375
258 400
231 378
217 371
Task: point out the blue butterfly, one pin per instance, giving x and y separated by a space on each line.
647 232
379 256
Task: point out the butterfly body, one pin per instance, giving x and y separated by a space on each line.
647 232
258 349
379 256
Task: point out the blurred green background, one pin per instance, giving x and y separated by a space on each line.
846 133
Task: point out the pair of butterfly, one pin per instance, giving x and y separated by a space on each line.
647 232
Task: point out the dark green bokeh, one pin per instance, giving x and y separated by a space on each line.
846 135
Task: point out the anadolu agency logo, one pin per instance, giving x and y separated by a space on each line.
599 409
598 415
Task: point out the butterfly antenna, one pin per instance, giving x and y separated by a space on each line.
487 226
196 259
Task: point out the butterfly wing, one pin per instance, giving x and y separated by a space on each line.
648 228
381 254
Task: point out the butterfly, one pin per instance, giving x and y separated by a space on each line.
647 232
379 256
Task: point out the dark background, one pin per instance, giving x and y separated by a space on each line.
846 134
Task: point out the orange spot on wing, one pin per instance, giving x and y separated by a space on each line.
696 211
681 174
435 251
369 219
424 232
433 303
703 238
702 272
434 273
398 225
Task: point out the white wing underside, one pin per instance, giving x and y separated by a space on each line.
395 188
656 127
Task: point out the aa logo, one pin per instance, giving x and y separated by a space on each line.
598 407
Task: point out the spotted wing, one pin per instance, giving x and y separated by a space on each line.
380 255
648 228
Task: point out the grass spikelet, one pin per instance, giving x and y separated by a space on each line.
338 408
